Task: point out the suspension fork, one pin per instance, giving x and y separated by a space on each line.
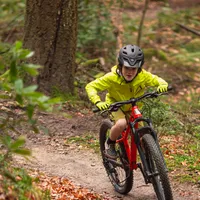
145 169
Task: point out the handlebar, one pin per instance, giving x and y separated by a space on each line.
115 106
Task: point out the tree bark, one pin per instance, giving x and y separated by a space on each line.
51 32
141 22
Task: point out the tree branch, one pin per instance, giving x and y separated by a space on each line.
188 29
142 21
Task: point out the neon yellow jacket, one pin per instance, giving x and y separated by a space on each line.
118 89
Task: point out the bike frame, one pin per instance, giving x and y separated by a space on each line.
131 149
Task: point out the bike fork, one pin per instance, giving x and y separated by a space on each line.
144 175
145 169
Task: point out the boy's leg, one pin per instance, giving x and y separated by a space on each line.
119 126
116 130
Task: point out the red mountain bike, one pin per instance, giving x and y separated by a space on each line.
132 140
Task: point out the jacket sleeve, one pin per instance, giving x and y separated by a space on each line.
153 80
100 84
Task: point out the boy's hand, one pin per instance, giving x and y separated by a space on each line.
102 105
162 88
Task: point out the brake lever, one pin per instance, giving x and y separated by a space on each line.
163 93
156 94
103 111
113 108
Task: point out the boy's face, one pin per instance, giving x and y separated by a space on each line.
129 73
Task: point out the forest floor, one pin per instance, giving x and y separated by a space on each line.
55 158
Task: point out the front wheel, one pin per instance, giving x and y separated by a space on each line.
158 174
118 171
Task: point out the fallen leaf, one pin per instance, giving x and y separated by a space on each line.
184 163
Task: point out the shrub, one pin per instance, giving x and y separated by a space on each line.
14 94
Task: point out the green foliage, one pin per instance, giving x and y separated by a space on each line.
94 26
150 52
188 113
13 68
164 120
186 58
95 39
12 18
169 17
130 28
63 97
185 49
192 46
11 81
189 54
130 25
95 30
186 156
180 141
165 17
14 146
10 6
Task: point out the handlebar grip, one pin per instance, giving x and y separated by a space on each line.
169 88
95 110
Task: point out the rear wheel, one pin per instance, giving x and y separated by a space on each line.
118 171
159 177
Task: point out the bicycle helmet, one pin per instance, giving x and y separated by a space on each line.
131 56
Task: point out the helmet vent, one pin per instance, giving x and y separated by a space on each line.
131 55
124 52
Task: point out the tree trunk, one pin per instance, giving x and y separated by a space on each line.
51 32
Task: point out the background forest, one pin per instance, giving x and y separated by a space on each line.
169 34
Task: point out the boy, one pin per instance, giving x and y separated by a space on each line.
126 80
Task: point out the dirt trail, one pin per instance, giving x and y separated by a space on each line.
82 166
85 168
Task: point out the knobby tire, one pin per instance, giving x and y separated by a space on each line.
155 162
115 171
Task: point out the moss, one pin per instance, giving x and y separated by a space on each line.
161 55
150 52
193 45
90 62
186 58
